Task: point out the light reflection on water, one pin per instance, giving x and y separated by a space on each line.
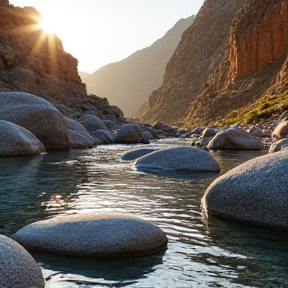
199 254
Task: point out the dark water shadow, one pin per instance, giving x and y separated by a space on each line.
263 252
194 176
113 271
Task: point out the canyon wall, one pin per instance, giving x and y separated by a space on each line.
35 62
230 56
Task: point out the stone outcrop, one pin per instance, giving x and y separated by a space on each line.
233 54
35 62
129 82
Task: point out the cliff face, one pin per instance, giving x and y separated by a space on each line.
258 36
202 49
128 83
232 55
35 62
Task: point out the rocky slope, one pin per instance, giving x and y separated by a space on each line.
232 57
34 62
128 83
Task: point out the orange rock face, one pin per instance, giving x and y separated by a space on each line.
258 36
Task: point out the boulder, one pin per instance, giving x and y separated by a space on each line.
104 235
73 124
209 132
92 122
81 140
79 137
103 136
179 158
18 141
165 128
38 116
135 154
128 133
198 131
254 192
235 138
281 130
255 131
146 137
17 267
279 145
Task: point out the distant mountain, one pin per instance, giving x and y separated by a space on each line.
128 83
83 75
231 65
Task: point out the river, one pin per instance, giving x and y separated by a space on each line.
200 253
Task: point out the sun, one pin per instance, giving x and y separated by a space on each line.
48 25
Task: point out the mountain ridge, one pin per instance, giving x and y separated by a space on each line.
128 83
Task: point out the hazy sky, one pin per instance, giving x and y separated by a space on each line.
99 32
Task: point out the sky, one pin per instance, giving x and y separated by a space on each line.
99 32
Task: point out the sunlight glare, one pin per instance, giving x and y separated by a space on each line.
48 25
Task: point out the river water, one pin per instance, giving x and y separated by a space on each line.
200 252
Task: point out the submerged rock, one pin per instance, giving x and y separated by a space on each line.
38 116
254 192
18 141
94 234
135 154
17 267
235 138
179 158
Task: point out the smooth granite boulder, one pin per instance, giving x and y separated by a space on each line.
17 267
79 137
128 133
38 116
235 138
104 235
209 132
104 136
81 140
179 158
135 154
92 122
73 124
281 130
146 137
254 192
279 145
18 141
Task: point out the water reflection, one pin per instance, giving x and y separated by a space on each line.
121 272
